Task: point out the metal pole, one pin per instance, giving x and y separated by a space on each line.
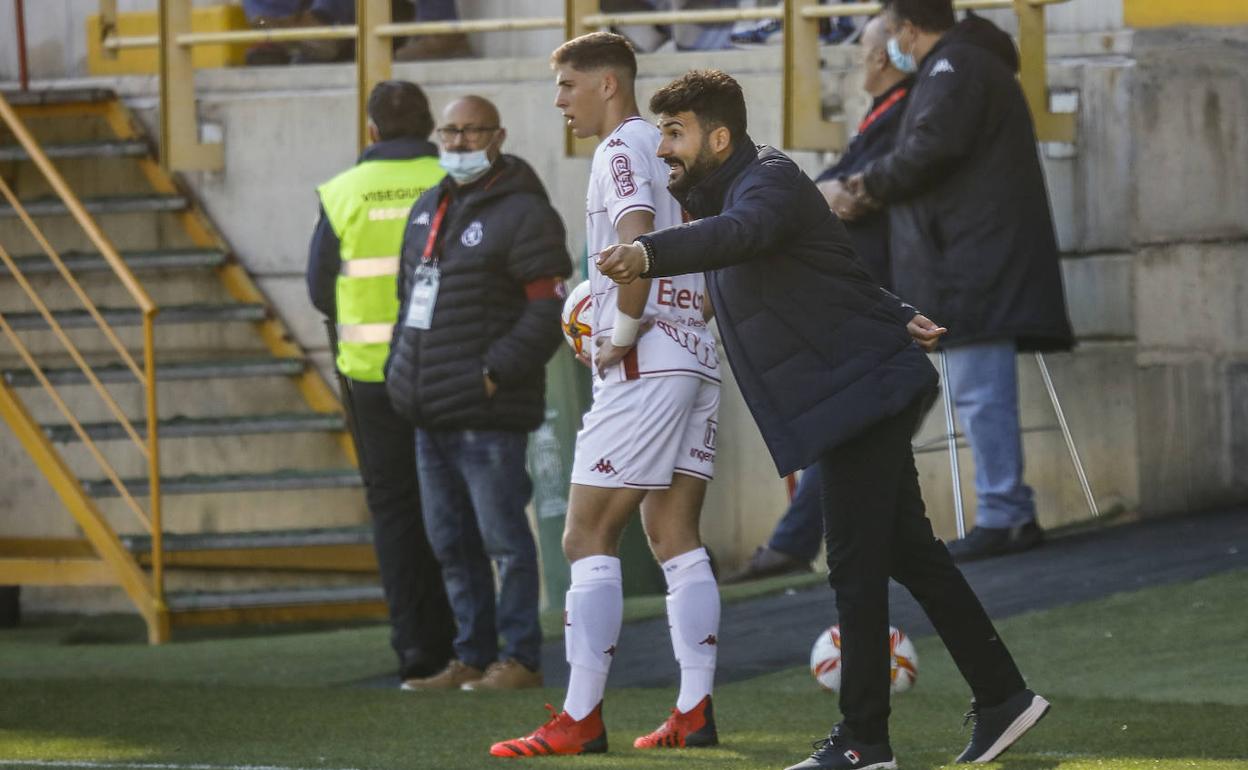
951 435
19 10
1070 442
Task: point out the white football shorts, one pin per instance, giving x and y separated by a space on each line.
639 432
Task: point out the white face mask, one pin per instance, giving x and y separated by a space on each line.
901 60
464 167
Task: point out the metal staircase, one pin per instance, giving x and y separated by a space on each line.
229 490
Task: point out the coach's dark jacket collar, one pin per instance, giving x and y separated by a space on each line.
706 198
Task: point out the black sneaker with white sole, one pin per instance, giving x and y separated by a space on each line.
998 728
841 751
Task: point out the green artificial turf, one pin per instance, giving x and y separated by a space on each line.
1152 679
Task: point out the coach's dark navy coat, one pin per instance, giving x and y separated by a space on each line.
819 351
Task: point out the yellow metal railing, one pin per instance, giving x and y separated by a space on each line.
805 127
147 593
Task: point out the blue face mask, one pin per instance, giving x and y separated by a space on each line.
464 167
902 61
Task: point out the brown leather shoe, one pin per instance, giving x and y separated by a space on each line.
506 675
767 562
429 47
456 674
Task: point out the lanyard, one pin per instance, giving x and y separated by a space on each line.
883 107
433 230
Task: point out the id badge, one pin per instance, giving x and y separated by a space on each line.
424 296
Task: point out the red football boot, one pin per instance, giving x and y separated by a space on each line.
695 727
561 735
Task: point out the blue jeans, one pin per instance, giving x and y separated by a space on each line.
984 384
473 489
799 533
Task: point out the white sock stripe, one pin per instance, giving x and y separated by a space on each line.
596 568
691 567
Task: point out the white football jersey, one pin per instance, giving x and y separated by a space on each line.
627 175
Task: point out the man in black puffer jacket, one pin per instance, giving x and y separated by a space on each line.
972 242
481 287
826 364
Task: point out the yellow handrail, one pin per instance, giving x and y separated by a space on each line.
145 375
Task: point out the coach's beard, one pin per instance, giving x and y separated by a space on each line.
702 167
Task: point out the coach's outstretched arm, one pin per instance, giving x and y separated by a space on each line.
760 218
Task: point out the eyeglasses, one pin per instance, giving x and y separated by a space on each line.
471 133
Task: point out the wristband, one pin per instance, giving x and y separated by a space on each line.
648 251
625 332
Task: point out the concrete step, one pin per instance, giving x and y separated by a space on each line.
110 204
281 538
336 603
59 96
120 148
227 312
88 262
277 481
197 427
185 370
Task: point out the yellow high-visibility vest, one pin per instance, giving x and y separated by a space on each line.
367 207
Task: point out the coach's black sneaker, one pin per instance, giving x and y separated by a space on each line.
841 751
985 542
997 728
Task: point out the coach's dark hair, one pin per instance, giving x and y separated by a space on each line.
711 95
595 51
927 15
399 108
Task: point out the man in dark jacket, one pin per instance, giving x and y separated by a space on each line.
352 266
481 284
973 241
825 361
795 540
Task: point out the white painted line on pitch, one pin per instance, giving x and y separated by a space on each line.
88 765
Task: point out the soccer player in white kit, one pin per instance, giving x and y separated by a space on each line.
649 438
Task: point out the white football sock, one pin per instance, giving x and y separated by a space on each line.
593 612
693 616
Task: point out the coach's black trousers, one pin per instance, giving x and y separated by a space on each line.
421 624
876 527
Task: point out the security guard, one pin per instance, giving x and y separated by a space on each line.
352 272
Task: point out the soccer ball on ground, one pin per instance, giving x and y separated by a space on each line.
575 318
825 660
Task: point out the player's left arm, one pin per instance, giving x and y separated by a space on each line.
630 299
538 262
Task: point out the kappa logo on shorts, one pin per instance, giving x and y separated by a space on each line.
710 640
609 651
604 466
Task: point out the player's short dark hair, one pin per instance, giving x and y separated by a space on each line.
713 96
927 15
595 51
399 108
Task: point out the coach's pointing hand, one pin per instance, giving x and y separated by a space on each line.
623 262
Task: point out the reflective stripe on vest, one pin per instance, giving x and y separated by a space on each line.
367 206
369 267
365 333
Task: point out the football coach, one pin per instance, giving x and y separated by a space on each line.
829 366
